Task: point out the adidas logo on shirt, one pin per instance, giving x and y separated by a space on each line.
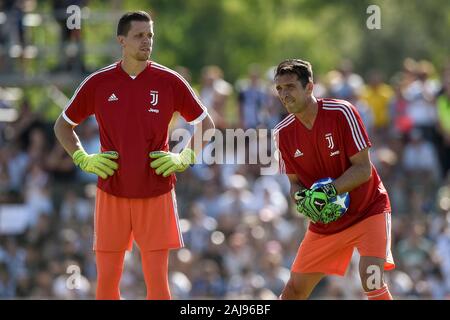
298 153
112 98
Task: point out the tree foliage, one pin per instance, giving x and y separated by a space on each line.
235 33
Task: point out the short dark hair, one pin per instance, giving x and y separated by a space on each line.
301 68
125 21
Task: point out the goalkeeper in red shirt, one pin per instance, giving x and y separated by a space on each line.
133 101
326 138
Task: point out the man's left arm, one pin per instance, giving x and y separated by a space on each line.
200 129
359 172
357 150
166 163
192 110
315 201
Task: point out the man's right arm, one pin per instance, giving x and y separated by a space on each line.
101 164
296 185
299 194
66 135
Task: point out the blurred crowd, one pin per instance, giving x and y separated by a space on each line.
18 49
240 229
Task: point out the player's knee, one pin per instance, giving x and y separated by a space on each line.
295 291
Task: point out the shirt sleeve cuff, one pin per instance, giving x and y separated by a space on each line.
68 120
199 119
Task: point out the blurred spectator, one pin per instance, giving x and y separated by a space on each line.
214 93
377 95
62 173
414 251
398 108
18 161
75 209
71 46
12 32
365 111
344 82
180 285
275 275
208 200
37 193
420 95
274 111
26 119
443 254
4 176
269 195
37 144
251 98
420 159
443 114
207 281
201 226
7 289
239 254
238 200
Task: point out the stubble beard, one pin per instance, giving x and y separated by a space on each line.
142 56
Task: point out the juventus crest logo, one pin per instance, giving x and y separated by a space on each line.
154 96
329 138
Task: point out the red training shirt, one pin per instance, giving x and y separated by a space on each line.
324 151
133 117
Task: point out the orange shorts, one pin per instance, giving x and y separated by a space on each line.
331 254
152 222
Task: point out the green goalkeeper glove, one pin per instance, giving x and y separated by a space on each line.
168 162
299 195
330 213
311 203
97 163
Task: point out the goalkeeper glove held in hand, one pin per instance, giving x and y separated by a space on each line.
312 202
